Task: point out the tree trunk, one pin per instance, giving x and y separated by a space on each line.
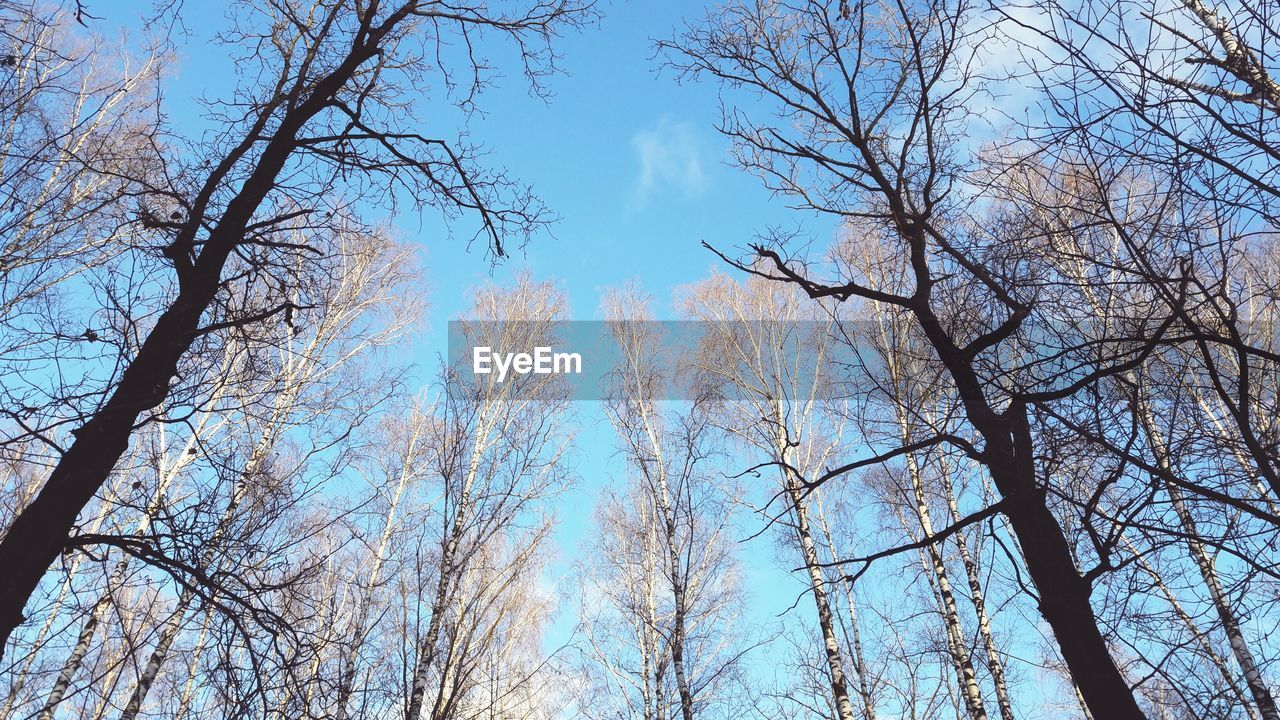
159 654
347 680
677 578
94 618
188 690
818 585
977 597
960 658
426 651
21 681
855 634
956 637
444 589
656 473
1063 591
174 624
1206 646
78 651
1257 685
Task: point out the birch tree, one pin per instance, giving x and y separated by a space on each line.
495 450
660 590
764 359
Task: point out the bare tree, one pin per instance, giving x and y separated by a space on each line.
496 448
896 374
205 512
322 110
872 102
662 584
764 359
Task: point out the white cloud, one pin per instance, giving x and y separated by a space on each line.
670 161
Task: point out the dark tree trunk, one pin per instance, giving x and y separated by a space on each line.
39 533
1063 591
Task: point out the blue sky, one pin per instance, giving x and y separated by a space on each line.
627 157
631 162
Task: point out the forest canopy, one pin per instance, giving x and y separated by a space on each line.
979 419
